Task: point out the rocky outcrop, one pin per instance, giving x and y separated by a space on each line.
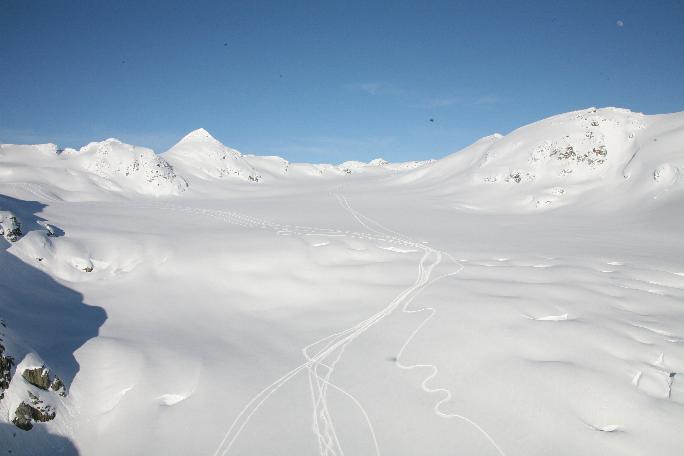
10 227
6 363
28 413
58 386
40 378
32 408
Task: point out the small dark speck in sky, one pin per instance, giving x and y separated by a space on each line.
431 119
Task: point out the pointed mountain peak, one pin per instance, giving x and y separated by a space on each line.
199 135
200 143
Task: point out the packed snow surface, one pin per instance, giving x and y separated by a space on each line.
523 296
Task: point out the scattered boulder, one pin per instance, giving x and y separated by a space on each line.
596 155
518 176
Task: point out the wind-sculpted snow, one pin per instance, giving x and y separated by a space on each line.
396 309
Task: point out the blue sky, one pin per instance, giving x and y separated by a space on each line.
327 81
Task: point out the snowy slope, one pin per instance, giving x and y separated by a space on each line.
582 155
109 166
399 309
200 155
127 167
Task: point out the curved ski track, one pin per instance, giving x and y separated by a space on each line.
322 356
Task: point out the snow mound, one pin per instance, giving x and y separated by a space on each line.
268 166
379 165
201 155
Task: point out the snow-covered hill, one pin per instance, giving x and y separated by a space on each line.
589 155
584 156
127 167
200 155
109 167
522 296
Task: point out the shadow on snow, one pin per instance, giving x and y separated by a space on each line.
46 317
36 442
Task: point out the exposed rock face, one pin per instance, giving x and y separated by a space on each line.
6 363
597 155
37 410
10 227
34 409
58 386
38 377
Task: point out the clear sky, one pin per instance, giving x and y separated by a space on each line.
327 81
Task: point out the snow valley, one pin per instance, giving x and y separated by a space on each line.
522 296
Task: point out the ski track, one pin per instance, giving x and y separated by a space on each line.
321 361
434 371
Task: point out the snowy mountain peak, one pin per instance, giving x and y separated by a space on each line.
199 135
201 155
